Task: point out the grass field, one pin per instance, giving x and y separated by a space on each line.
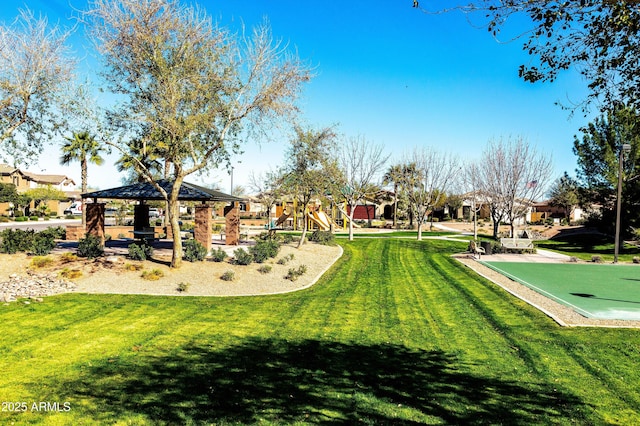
593 290
397 332
585 246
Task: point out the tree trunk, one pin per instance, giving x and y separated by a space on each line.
351 225
174 216
419 230
395 207
83 188
305 221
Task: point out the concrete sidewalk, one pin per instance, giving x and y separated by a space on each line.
542 256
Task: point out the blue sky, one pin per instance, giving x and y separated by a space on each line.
390 73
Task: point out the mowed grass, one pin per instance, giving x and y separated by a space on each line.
397 332
585 246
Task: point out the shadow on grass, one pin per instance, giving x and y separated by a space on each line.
309 381
589 243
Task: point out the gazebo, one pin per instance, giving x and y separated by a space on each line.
145 191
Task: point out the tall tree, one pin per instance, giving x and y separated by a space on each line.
191 90
138 161
393 175
431 175
266 186
599 38
598 152
359 164
35 70
564 193
309 169
85 149
512 174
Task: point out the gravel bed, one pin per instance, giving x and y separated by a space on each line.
116 274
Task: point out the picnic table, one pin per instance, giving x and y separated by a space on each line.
146 234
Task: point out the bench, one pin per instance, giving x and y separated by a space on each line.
517 243
475 249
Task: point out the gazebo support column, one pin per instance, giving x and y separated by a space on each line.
95 220
202 229
140 217
232 224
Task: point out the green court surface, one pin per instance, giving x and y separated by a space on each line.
592 290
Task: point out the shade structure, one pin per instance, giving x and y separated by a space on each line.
147 191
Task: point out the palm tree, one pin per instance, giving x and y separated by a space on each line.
84 148
394 175
138 160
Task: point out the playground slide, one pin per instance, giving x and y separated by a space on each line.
320 219
283 217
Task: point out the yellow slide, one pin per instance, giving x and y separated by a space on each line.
320 219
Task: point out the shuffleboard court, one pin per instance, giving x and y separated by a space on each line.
592 290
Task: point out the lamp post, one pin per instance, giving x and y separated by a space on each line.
624 148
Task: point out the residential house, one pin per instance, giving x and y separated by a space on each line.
24 180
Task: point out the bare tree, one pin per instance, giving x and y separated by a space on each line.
512 175
267 189
360 163
472 183
35 70
433 173
190 90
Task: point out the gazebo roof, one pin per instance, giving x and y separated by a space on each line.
147 191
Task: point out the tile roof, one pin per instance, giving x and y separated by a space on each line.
147 191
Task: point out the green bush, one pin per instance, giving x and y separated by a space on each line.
323 237
34 218
218 255
264 249
265 269
284 260
241 257
140 252
187 226
42 244
15 240
228 276
20 219
90 246
183 287
56 232
194 251
295 273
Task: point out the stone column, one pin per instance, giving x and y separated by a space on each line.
232 224
95 220
202 229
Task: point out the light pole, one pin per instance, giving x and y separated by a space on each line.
624 148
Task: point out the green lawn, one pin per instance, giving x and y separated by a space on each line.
585 246
396 332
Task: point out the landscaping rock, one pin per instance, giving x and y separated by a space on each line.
33 286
